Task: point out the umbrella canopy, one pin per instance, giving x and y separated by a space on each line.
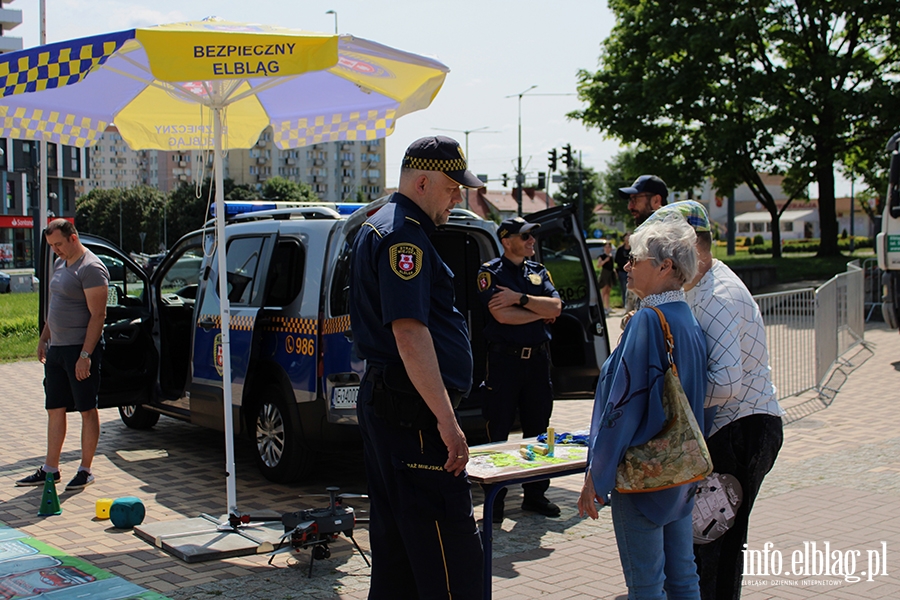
156 83
213 85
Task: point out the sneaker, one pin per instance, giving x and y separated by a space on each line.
81 479
541 506
37 478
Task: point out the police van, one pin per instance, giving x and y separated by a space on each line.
295 376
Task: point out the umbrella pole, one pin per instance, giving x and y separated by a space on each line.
225 313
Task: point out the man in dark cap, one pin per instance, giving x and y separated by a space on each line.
646 195
423 535
521 302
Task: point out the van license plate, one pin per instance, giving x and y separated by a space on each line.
344 397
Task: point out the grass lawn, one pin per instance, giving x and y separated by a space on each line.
18 326
795 266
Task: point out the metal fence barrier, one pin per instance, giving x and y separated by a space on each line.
808 330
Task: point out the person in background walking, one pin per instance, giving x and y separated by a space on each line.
621 260
607 274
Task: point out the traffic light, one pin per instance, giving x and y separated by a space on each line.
567 155
542 180
553 158
505 180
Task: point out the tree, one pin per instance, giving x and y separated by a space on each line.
579 179
122 214
279 188
732 88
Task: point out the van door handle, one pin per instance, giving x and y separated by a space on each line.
206 324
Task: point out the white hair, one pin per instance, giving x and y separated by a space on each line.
668 238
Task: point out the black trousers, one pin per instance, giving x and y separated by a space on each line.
425 543
519 384
746 448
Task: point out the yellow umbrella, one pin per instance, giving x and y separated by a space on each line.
213 85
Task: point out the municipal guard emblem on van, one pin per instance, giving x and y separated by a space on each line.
484 281
406 260
218 354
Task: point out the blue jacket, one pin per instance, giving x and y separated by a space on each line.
628 407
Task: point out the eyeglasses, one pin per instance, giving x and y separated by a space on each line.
632 259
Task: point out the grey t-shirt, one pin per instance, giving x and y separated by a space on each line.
68 315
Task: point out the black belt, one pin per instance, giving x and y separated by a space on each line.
376 373
523 352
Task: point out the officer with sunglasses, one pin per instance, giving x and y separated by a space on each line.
521 303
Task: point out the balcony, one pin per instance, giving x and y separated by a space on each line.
345 180
346 163
261 144
262 160
290 161
318 162
182 163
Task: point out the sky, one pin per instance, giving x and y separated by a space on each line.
494 49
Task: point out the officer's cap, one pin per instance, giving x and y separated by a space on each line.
645 184
440 153
513 226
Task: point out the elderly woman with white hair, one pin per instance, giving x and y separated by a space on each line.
653 529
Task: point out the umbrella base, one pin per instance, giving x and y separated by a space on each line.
206 538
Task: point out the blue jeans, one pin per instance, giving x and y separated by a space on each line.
658 561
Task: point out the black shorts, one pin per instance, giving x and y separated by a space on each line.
61 388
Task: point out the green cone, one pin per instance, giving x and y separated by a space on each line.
49 499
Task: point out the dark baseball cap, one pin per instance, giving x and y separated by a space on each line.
645 184
440 153
514 226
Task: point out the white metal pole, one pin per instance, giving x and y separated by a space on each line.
39 221
225 313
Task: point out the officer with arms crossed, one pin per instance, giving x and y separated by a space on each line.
419 365
521 303
70 348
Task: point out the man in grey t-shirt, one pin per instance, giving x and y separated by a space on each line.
71 348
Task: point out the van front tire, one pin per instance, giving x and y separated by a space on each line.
280 454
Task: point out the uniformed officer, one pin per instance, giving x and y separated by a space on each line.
521 303
424 540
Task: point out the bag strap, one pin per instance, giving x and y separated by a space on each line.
670 341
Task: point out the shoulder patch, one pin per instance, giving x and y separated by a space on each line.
406 260
484 281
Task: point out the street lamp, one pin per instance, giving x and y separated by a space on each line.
333 12
520 176
467 132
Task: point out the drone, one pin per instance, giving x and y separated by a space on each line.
316 528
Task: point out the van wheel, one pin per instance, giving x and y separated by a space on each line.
280 455
136 416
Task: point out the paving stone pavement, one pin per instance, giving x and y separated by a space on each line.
836 481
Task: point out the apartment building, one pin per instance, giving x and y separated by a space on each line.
337 171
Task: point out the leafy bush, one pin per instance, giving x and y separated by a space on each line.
758 240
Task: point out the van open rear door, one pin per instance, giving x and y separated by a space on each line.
580 342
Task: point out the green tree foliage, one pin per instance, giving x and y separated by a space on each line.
187 207
279 188
138 209
732 88
579 178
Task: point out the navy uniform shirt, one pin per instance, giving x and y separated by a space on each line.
398 274
528 278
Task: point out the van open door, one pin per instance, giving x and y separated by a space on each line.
128 368
580 342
